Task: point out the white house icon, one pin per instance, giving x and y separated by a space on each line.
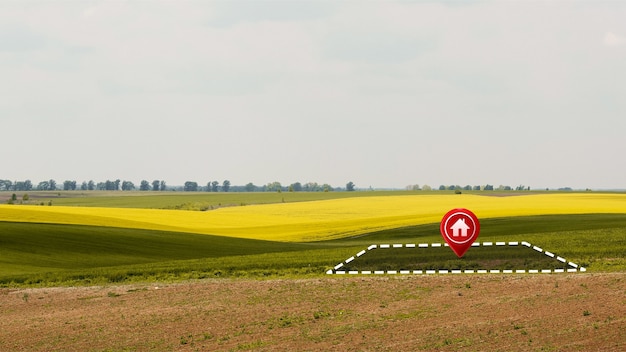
459 228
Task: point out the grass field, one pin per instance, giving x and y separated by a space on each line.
181 200
48 245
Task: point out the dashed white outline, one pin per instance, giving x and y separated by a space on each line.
573 266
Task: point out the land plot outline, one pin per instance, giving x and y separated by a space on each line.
570 267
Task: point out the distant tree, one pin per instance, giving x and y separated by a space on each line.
144 185
467 188
190 186
53 185
225 185
128 186
327 188
488 187
426 188
274 187
84 186
26 185
112 185
250 187
350 186
5 184
214 186
155 185
91 185
14 197
25 197
163 187
476 188
442 188
43 186
297 187
69 185
109 185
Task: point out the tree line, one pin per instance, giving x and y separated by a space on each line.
160 185
486 187
225 186
72 185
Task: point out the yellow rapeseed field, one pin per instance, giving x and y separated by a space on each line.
320 220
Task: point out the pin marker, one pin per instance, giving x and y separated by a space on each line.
459 228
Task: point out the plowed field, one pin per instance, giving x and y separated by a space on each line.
545 312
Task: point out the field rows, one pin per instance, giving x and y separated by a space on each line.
318 220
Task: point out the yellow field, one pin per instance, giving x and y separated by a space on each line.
319 220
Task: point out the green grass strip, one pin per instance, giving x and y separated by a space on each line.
50 254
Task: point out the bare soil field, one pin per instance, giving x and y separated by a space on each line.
543 312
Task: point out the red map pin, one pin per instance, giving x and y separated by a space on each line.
460 228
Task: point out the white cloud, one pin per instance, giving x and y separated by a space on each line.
89 12
613 40
377 92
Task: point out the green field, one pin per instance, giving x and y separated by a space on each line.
34 253
595 241
49 254
183 200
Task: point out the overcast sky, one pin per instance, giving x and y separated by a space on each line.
381 93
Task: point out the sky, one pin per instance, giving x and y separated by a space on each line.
381 93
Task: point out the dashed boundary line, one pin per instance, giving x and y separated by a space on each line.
572 267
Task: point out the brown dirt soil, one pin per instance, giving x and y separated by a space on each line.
544 312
